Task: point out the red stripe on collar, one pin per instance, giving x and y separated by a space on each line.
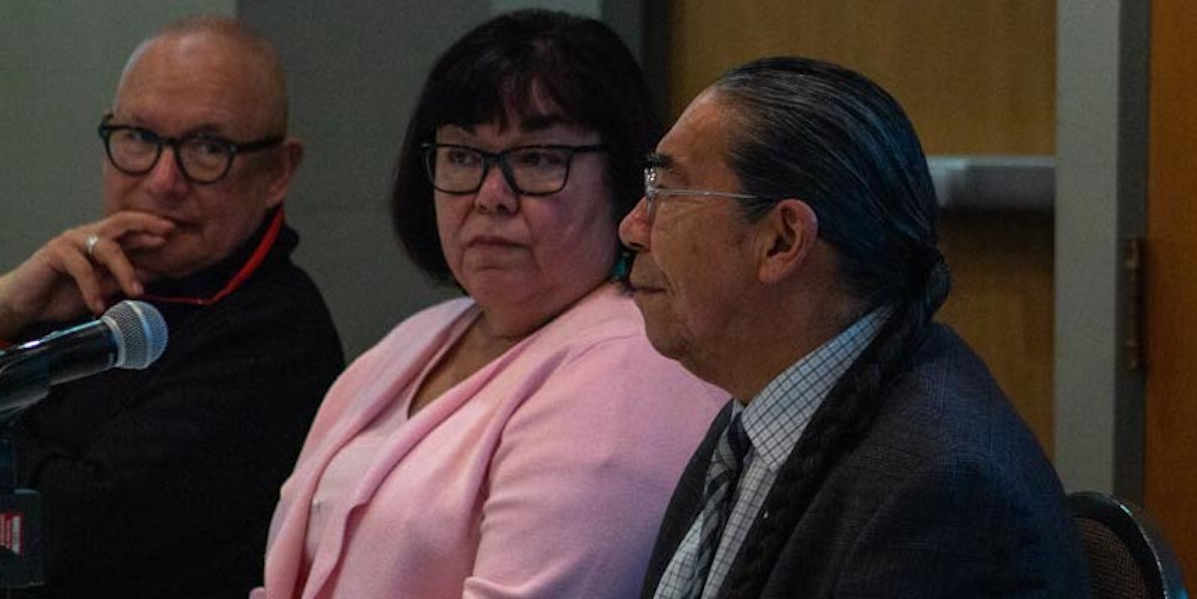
247 270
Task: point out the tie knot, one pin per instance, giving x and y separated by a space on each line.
737 440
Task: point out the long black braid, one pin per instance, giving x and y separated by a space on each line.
837 141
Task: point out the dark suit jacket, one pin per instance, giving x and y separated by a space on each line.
947 495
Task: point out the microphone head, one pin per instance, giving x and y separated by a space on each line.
139 332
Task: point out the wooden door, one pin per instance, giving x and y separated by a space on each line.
975 77
1171 333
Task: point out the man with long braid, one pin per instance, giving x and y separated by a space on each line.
786 251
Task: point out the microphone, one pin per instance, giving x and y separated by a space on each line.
131 334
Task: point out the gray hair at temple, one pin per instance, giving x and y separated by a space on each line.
840 143
835 140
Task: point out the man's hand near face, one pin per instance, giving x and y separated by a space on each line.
66 278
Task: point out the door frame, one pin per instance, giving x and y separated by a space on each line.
1101 198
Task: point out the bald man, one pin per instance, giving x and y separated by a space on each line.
161 482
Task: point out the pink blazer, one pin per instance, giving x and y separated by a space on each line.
544 474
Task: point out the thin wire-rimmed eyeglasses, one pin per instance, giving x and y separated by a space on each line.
202 158
652 192
529 170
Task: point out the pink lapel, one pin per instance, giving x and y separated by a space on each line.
379 388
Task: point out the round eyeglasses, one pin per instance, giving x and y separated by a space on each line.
202 158
529 170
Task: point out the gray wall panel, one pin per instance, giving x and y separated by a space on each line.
355 70
59 63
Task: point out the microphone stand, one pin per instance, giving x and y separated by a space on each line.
25 379
22 384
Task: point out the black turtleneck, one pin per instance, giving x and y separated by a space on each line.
162 482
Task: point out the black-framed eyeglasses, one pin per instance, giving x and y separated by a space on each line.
652 192
529 170
202 158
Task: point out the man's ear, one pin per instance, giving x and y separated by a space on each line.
787 236
290 155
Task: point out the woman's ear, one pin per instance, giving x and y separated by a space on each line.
787 236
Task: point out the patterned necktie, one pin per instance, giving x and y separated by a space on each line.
718 499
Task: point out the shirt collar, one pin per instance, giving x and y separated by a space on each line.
215 282
776 417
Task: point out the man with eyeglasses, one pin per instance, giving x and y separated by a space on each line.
161 482
786 252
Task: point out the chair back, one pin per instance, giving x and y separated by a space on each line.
1129 556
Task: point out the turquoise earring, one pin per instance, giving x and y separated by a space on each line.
623 264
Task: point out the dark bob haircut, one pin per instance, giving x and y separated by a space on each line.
499 71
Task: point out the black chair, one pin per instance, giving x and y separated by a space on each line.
1129 556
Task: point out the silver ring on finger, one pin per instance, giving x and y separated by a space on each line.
91 244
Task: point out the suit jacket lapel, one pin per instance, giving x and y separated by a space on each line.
753 537
930 338
684 506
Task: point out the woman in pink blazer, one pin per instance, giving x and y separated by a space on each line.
522 441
